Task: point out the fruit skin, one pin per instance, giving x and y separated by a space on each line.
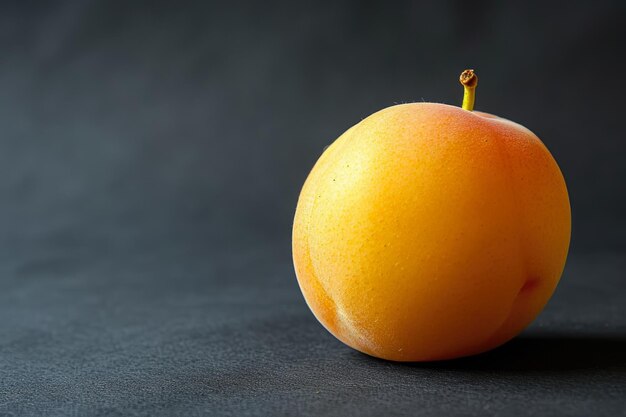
428 232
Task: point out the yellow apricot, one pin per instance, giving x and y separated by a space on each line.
429 232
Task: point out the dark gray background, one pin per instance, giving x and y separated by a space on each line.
151 155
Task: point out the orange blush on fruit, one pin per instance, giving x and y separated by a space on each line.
428 231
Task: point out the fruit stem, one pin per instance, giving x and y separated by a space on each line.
469 80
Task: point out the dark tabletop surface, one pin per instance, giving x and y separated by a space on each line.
168 331
151 155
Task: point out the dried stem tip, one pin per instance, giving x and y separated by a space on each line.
468 78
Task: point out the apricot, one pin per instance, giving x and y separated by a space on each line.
429 231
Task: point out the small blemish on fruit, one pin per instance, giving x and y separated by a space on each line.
529 285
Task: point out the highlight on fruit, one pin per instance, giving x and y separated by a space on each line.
429 231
